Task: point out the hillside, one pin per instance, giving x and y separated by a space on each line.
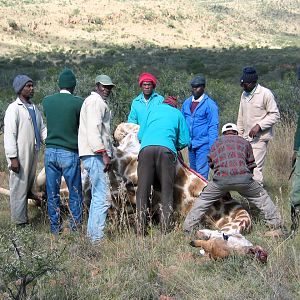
88 26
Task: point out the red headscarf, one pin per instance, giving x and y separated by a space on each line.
148 77
171 101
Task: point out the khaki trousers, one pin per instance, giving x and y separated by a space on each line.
259 152
252 191
20 185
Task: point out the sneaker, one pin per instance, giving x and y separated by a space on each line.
276 233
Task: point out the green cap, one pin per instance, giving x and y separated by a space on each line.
104 80
66 79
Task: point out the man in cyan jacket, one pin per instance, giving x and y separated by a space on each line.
162 135
146 100
202 117
23 132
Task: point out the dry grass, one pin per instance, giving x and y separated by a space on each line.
127 267
86 27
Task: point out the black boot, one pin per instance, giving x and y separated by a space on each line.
295 217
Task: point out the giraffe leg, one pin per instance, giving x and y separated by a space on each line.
216 248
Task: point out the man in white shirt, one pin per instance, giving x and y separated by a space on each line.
258 112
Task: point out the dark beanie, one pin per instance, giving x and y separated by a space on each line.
249 75
19 82
198 80
66 79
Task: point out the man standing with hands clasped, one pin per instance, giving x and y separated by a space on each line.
258 112
95 151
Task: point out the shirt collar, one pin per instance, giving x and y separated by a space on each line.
199 99
20 102
64 92
142 98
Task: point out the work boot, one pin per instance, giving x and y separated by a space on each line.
295 217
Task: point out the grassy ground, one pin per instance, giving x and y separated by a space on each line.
127 267
123 39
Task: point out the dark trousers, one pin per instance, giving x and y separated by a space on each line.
155 163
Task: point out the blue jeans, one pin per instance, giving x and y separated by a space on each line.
99 204
58 163
199 161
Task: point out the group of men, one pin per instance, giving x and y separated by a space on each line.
76 130
79 130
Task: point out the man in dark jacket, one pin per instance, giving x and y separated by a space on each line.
295 192
231 158
202 117
62 111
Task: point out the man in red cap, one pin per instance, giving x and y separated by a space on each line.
146 100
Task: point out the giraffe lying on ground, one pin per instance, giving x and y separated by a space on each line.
217 245
226 215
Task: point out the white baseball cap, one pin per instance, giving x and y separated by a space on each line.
229 126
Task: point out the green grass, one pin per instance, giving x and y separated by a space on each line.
127 267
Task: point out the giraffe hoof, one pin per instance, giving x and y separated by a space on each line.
192 243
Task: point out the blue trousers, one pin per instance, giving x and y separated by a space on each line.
58 163
199 161
99 204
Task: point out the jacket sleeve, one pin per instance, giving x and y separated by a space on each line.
272 112
43 129
297 136
239 122
213 124
132 117
211 156
95 112
143 126
183 134
250 160
11 131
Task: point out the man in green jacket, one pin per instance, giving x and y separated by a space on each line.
295 192
62 111
161 137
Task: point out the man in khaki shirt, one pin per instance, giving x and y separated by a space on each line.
258 112
95 151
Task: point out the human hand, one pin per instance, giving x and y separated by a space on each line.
254 131
15 165
106 161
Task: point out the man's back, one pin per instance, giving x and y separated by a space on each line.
232 156
164 126
62 111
